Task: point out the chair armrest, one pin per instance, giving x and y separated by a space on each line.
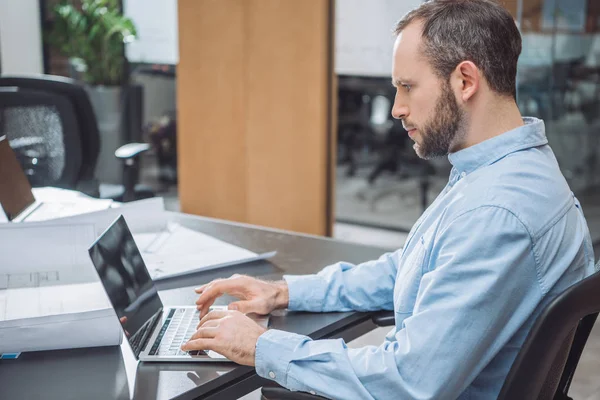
131 150
279 393
384 318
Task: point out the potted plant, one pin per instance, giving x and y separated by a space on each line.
92 34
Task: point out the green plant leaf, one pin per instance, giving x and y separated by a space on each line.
93 31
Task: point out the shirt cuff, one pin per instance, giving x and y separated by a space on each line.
274 352
306 292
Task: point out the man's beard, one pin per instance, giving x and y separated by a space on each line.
444 129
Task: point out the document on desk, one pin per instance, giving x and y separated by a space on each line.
57 203
177 250
50 295
142 216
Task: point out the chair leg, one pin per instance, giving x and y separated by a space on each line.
424 190
129 178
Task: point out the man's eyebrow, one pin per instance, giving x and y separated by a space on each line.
399 81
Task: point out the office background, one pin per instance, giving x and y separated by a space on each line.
359 169
296 131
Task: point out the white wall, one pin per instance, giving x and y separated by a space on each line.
20 37
156 23
364 37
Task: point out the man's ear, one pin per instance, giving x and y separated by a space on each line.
468 79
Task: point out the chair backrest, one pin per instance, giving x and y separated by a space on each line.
86 119
43 131
545 366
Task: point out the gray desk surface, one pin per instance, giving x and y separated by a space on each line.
113 372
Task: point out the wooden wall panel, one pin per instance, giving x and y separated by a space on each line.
273 58
211 108
287 88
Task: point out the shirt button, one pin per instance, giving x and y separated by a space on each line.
272 375
313 392
463 174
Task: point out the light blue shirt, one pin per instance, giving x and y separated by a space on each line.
504 237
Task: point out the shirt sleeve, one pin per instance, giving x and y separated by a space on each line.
344 287
479 289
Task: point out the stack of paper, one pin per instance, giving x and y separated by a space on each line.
50 296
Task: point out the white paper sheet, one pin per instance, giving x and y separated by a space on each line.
141 216
52 194
53 299
65 331
58 203
37 247
178 250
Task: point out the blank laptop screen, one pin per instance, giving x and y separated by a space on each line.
127 282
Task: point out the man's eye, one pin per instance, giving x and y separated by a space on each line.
407 87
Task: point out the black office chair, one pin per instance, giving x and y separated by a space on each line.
546 364
89 139
43 131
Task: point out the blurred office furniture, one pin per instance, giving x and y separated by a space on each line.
552 90
365 125
87 144
163 136
254 112
546 364
42 129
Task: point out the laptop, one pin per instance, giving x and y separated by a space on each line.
154 332
15 191
17 199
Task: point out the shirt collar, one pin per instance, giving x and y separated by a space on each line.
532 134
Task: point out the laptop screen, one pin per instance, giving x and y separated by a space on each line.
127 282
15 190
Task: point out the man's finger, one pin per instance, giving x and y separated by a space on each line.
198 344
204 310
200 289
205 333
209 324
217 288
215 314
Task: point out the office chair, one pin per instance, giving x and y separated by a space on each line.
90 139
43 131
545 365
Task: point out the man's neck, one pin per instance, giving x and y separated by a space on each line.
490 120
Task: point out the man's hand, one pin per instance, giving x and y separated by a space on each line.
256 296
229 333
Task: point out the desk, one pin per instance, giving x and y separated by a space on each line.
113 373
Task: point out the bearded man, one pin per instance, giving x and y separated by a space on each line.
502 240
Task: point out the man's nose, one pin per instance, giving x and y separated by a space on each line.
399 111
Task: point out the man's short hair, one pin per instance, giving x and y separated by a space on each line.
481 31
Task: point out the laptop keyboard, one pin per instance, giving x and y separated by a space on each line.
178 328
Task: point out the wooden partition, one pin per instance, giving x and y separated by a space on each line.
254 100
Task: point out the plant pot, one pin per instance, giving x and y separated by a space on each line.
108 107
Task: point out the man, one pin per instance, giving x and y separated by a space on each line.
502 239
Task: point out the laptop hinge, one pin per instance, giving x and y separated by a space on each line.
157 317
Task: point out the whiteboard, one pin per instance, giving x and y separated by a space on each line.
156 24
364 36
